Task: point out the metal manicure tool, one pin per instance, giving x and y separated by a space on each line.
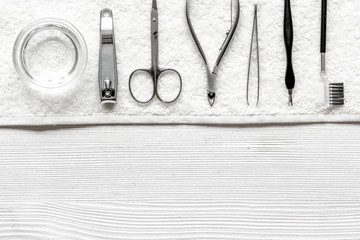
155 73
256 36
289 38
108 75
212 75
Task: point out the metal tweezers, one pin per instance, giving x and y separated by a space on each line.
255 34
212 75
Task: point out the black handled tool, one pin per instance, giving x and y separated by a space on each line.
289 38
336 90
323 34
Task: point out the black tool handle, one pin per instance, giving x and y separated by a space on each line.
289 38
323 26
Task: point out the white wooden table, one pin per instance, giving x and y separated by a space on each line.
181 182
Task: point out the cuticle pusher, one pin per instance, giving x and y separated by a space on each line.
289 38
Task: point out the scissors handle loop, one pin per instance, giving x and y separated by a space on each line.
177 89
133 76
158 80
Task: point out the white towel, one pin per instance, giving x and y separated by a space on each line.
20 105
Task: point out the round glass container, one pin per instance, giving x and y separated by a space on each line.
50 55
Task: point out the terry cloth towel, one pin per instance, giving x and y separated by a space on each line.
20 105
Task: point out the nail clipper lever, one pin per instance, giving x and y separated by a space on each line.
108 75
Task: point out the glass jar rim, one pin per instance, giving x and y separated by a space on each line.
69 31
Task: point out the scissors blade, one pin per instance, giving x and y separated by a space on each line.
154 4
154 38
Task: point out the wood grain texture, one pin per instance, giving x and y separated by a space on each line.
298 182
203 219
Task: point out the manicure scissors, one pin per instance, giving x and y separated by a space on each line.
155 73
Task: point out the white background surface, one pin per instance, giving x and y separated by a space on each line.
280 182
182 182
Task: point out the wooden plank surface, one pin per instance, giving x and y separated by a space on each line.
159 182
